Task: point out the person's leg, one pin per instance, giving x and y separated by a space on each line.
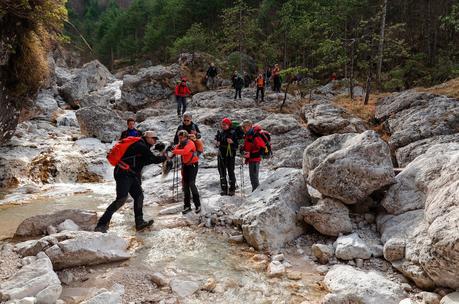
235 94
183 105
123 185
232 177
179 105
222 172
256 95
137 194
240 91
253 172
262 94
194 190
186 187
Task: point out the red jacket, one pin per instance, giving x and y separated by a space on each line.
188 153
253 144
182 90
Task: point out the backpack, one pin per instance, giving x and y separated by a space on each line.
236 126
267 152
116 153
198 142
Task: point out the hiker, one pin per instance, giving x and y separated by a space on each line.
276 78
333 77
211 76
181 92
128 179
131 130
238 84
252 146
247 80
190 163
227 142
189 126
260 81
268 76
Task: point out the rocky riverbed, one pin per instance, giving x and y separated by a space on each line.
330 223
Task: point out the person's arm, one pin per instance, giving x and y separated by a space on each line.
123 134
149 157
176 136
187 91
176 90
198 132
183 151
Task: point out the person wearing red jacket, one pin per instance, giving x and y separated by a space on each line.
181 92
252 146
187 150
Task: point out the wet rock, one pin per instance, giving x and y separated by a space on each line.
356 286
160 279
322 252
328 216
184 288
351 247
67 225
348 167
105 296
326 119
269 217
452 298
101 123
275 269
413 116
423 211
81 248
37 225
394 249
36 279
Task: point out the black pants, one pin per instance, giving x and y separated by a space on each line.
125 184
189 173
262 90
181 105
227 164
238 92
277 84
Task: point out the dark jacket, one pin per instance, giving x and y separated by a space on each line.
238 82
222 137
247 81
134 132
212 72
187 128
137 156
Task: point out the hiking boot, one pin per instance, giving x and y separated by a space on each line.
198 210
231 192
144 224
101 228
223 193
186 210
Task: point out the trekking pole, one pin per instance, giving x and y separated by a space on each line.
173 178
241 170
177 182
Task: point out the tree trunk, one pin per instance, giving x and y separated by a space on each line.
381 44
240 41
368 87
351 72
285 50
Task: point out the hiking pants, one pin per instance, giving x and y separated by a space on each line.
277 84
262 90
125 184
189 173
212 82
227 164
238 92
181 105
254 169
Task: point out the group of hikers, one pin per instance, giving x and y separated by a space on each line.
134 151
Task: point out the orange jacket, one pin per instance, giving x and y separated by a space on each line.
188 153
260 82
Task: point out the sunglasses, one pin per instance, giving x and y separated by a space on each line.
187 120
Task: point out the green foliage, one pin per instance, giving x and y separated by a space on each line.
196 39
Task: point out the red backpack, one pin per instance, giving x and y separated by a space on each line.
115 155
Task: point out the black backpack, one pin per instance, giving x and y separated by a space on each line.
267 152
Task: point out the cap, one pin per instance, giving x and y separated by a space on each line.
227 121
151 134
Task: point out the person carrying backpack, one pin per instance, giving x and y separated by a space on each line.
181 92
190 163
129 156
211 76
238 84
227 142
260 81
253 144
189 126
131 130
276 78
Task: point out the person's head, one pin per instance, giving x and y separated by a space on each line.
182 136
187 119
131 123
212 64
235 73
150 137
260 75
246 125
226 123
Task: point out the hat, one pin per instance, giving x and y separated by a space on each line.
151 134
227 121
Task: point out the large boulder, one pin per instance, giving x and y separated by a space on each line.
423 210
411 116
99 122
269 218
326 119
46 105
349 285
348 167
279 123
37 225
36 279
148 86
328 216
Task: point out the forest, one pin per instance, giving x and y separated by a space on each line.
396 44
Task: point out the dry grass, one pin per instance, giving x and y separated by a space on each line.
356 106
449 88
